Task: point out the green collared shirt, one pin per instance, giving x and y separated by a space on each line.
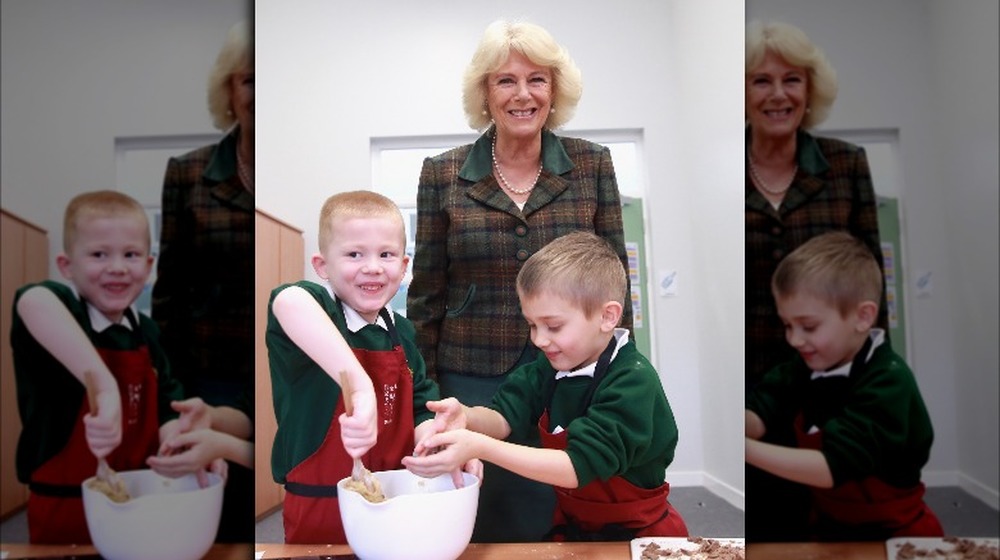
222 164
807 152
479 164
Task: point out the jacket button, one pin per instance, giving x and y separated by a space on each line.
521 230
776 230
522 255
778 254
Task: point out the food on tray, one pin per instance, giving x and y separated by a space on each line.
949 548
373 495
115 492
708 549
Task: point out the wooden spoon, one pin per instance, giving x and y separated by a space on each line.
109 482
359 473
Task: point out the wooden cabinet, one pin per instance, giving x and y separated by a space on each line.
25 258
279 258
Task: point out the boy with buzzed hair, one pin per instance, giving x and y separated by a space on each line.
61 336
607 430
321 338
862 430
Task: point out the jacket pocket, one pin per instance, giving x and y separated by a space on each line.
455 311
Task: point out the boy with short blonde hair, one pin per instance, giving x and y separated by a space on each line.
862 430
606 427
321 336
60 336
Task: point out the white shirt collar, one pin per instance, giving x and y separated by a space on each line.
622 338
98 321
877 337
355 322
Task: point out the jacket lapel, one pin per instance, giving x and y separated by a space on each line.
488 192
231 193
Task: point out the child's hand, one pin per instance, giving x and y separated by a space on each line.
449 414
189 452
457 449
219 467
104 430
359 431
195 414
168 431
473 467
753 426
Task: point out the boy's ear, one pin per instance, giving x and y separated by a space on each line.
319 263
611 314
867 313
62 263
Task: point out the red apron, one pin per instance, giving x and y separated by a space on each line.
608 510
311 510
869 501
55 505
614 509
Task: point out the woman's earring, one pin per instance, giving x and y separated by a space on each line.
229 112
552 110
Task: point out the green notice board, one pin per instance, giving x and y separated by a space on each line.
889 232
635 245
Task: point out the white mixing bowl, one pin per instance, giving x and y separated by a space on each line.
166 519
421 519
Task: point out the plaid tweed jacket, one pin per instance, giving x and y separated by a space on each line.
471 241
203 299
832 190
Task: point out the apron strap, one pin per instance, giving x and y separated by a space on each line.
862 356
132 319
384 314
311 490
56 490
599 371
389 326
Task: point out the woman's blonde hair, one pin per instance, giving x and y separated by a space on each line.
538 46
236 55
792 44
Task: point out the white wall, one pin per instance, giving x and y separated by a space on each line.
928 69
77 75
670 68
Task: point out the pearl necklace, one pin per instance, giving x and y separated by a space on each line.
503 180
763 186
245 175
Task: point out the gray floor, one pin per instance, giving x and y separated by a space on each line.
705 513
